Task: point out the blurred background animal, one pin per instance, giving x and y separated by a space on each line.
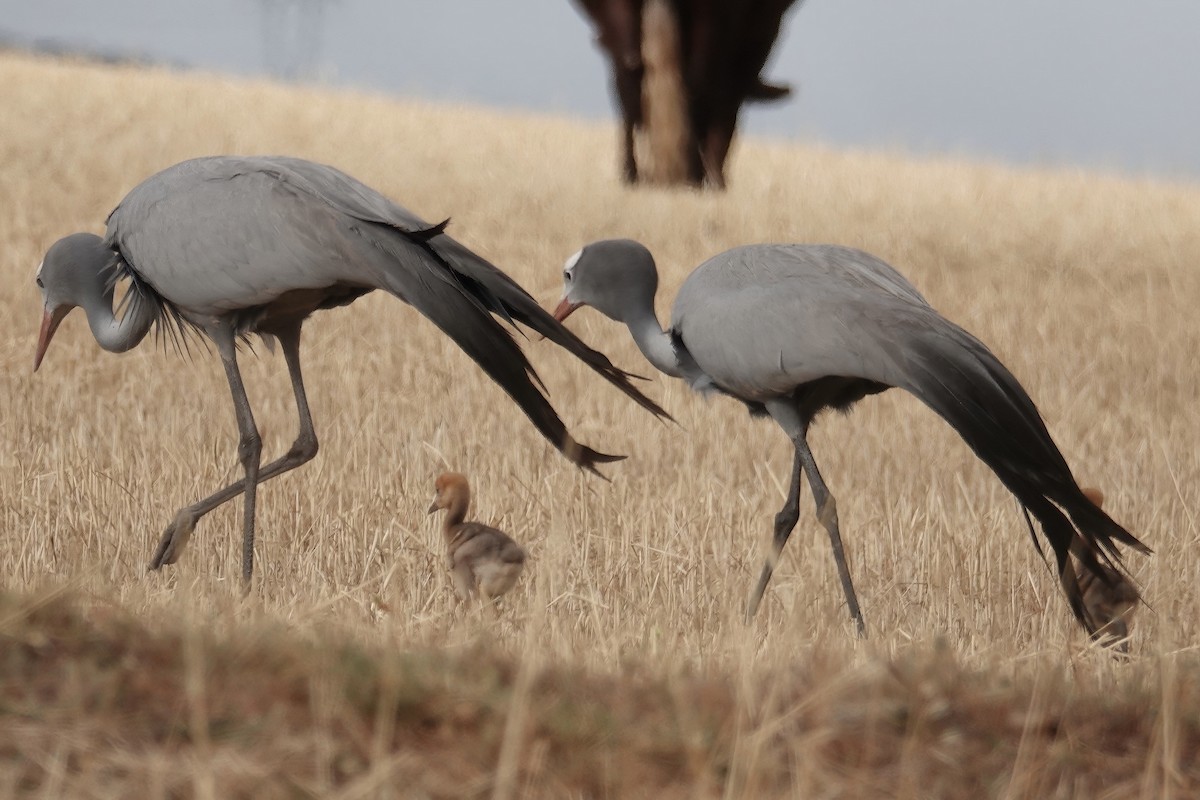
682 70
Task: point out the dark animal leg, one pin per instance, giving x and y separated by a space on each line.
176 536
717 139
629 173
715 149
625 26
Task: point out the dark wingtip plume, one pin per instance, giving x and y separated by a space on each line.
603 458
1089 515
425 234
463 306
959 378
478 292
585 457
496 292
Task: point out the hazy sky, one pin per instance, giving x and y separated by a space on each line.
1098 83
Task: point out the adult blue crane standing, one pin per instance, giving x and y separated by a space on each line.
231 246
792 330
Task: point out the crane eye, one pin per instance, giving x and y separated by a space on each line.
566 276
39 282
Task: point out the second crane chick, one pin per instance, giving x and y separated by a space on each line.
481 559
1109 597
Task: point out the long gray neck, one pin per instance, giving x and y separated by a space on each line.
118 335
654 343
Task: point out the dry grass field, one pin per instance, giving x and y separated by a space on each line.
620 665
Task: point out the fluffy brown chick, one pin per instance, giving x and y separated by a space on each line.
481 559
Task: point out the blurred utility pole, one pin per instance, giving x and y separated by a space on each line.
292 34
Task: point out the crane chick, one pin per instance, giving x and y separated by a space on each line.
1109 597
481 559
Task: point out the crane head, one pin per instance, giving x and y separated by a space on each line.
450 488
65 277
616 277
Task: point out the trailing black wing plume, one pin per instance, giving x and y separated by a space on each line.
486 299
487 286
486 280
461 317
958 377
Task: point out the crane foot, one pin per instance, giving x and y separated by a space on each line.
174 539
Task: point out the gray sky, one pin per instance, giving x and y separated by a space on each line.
1112 84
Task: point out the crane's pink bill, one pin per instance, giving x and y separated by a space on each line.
50 323
565 309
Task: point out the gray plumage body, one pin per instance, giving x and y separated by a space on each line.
760 321
233 246
792 330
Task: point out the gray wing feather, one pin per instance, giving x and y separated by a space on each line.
762 319
220 235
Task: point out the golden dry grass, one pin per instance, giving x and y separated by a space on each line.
1085 286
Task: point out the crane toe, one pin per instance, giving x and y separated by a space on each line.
174 539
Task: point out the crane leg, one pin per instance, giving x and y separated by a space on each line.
827 514
790 419
176 536
785 521
249 447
